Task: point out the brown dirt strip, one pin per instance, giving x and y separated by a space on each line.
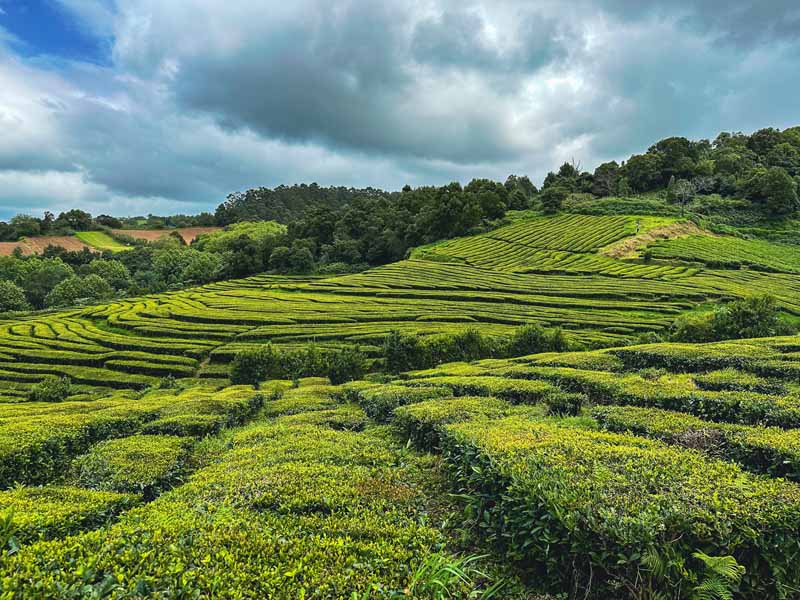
187 233
37 245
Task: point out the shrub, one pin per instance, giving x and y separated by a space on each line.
50 389
142 464
254 365
12 297
564 403
380 402
595 511
346 364
755 316
401 352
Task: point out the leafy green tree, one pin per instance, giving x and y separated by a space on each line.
785 156
552 197
26 225
756 316
75 220
643 172
517 200
12 297
201 267
764 140
773 189
108 221
301 260
40 276
280 259
112 271
401 352
606 178
75 290
244 257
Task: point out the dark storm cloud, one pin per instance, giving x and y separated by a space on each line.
199 97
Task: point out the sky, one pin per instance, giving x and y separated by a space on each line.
131 107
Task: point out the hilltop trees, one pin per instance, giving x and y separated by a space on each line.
774 189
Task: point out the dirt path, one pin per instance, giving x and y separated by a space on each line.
629 247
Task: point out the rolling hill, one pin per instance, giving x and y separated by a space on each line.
617 470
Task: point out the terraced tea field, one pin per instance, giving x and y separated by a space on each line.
132 343
681 452
608 473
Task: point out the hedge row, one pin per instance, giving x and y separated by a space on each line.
379 402
139 464
767 450
37 441
593 511
286 510
517 391
43 513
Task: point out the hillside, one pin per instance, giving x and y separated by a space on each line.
562 462
546 270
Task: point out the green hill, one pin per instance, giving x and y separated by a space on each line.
616 470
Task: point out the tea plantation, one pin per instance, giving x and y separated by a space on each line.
621 470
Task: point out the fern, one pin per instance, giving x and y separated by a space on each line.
722 577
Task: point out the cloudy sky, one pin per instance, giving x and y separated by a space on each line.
137 106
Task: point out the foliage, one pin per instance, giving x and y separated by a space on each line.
75 290
751 317
50 389
12 297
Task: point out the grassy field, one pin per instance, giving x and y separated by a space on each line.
101 241
610 472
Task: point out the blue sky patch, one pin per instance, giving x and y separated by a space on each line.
42 27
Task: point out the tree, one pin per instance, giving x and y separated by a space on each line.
552 197
756 316
254 365
401 352
643 171
517 200
681 192
786 156
345 364
301 260
12 297
606 177
40 276
112 271
75 219
773 189
764 140
280 259
26 225
244 257
201 267
108 221
75 290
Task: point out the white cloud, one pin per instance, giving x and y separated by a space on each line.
363 93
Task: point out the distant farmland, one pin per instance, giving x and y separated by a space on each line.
187 233
96 240
37 245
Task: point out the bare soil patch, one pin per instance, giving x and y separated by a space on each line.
187 233
37 245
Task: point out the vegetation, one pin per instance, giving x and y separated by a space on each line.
436 393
